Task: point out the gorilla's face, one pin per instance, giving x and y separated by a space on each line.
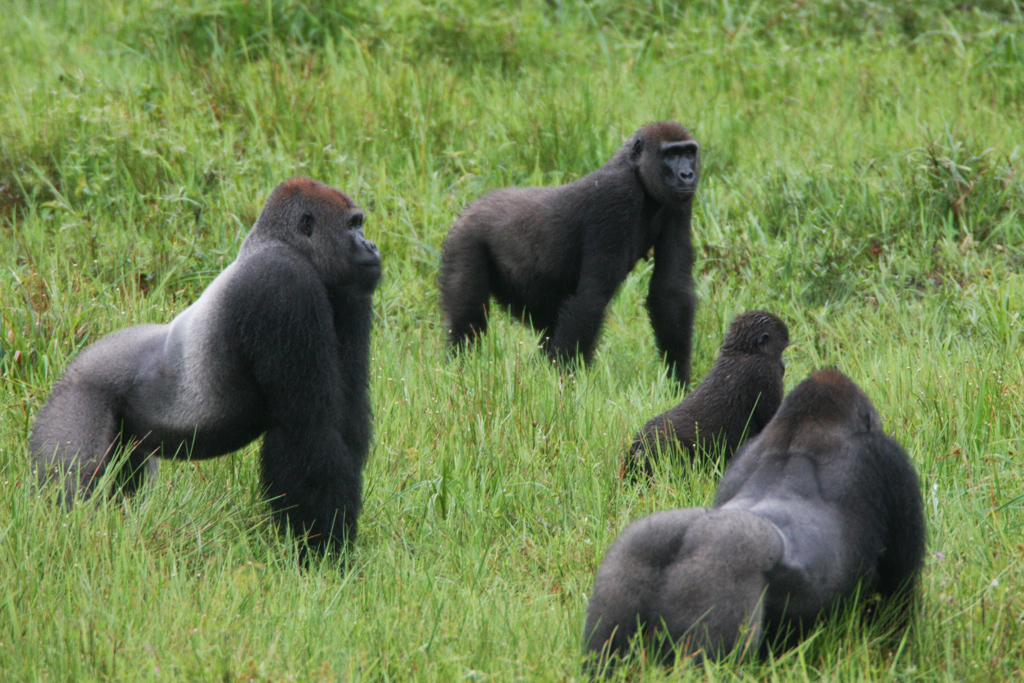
679 168
326 226
341 254
668 161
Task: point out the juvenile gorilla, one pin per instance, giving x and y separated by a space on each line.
734 401
555 256
278 345
822 499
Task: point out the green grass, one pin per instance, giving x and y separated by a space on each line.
862 180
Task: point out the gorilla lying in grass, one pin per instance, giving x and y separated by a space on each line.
277 345
820 502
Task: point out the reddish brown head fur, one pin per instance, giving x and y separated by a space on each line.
314 190
833 378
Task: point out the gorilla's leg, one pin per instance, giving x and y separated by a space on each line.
465 289
713 596
140 467
78 432
692 579
579 323
629 578
75 434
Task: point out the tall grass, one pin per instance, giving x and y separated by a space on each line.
862 180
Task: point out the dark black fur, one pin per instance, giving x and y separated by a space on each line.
821 501
734 401
555 256
278 344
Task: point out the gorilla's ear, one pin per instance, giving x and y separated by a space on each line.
763 339
637 150
306 224
872 421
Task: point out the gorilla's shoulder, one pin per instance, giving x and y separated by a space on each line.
270 281
274 266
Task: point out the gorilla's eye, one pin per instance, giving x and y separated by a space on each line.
306 224
356 222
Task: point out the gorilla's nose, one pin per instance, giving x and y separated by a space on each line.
368 253
371 247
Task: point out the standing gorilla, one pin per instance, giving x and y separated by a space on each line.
734 401
554 256
278 344
820 501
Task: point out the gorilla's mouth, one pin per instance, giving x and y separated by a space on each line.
372 267
368 259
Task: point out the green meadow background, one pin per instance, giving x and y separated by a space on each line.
862 179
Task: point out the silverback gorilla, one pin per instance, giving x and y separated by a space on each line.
555 256
732 403
822 499
278 345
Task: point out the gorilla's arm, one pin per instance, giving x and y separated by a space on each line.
671 302
903 541
312 473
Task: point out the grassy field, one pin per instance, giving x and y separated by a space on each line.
862 180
